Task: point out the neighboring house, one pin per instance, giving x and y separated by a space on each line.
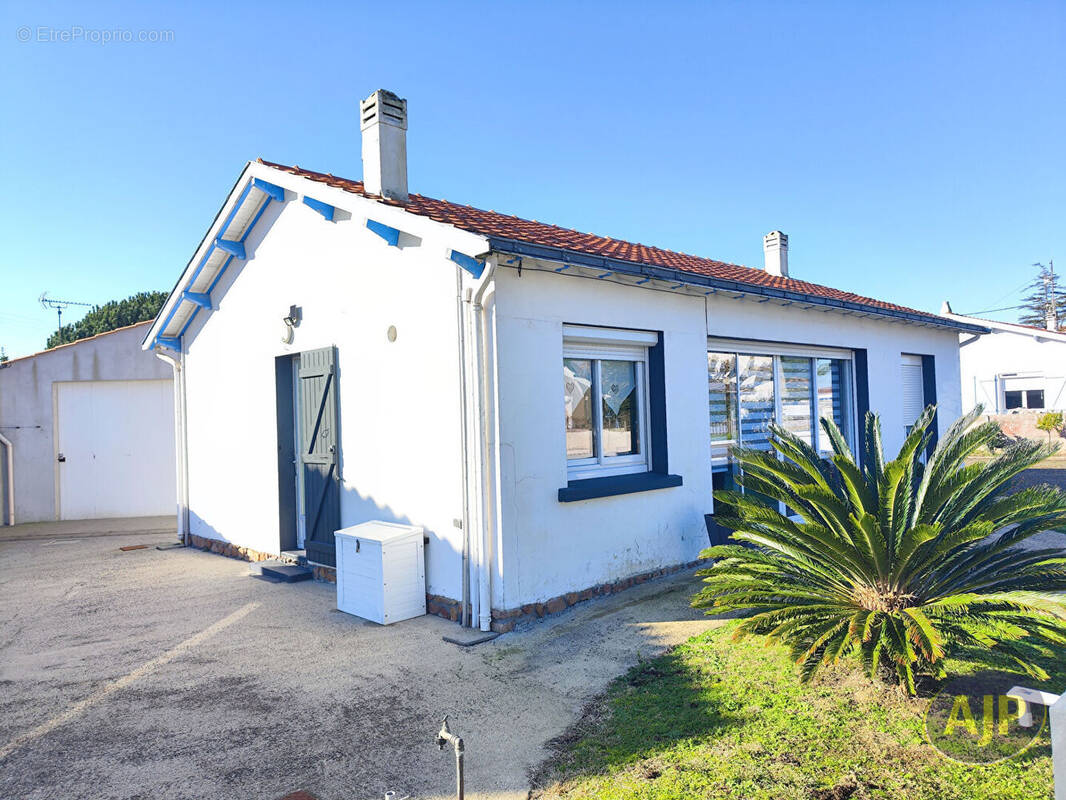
1014 368
553 407
86 431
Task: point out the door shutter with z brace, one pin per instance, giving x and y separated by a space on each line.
319 452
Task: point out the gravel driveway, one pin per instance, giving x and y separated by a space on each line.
174 674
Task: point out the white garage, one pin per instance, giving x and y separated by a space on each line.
113 458
89 428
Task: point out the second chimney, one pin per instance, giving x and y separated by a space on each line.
775 252
383 122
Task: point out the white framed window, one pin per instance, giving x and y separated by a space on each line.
1023 391
605 396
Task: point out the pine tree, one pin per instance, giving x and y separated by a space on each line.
108 317
1044 295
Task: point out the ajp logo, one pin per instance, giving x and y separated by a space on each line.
974 719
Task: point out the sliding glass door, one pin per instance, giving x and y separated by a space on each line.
748 389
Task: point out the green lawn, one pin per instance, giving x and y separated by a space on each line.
717 718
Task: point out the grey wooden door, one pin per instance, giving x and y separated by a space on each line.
319 451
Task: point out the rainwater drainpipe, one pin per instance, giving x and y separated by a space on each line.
181 441
464 455
10 449
482 457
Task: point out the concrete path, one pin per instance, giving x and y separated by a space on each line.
67 529
173 674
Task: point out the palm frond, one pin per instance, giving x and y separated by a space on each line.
899 563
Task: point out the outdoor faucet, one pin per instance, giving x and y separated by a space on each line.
445 737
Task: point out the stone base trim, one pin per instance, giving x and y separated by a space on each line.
506 620
442 606
323 574
229 549
503 621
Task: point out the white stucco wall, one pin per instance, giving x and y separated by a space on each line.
884 342
547 547
1001 352
399 401
26 407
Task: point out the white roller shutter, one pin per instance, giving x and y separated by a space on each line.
912 387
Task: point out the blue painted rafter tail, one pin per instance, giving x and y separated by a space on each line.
234 248
201 299
390 234
469 263
325 209
273 191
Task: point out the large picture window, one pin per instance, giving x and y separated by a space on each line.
751 384
605 395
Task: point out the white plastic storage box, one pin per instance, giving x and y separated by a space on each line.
381 571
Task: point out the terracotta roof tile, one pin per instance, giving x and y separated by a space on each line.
505 226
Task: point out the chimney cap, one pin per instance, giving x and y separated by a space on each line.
383 107
775 253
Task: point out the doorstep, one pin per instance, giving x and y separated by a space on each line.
280 571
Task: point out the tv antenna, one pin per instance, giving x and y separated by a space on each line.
47 303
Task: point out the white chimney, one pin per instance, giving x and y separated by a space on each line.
775 251
383 121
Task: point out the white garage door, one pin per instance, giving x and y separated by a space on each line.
115 440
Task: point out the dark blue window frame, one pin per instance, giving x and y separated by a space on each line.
658 477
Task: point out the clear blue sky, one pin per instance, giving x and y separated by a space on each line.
912 151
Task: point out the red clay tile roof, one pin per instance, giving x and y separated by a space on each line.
504 226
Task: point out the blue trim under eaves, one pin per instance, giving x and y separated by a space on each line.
649 272
469 263
273 191
390 234
231 246
235 249
325 209
199 298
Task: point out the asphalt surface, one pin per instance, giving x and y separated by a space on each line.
175 674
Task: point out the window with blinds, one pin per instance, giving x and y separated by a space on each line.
793 386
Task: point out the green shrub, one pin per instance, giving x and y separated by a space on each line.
901 563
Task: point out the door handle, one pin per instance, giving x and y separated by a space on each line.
61 458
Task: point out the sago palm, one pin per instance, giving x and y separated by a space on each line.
901 563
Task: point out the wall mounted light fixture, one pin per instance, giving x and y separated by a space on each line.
292 321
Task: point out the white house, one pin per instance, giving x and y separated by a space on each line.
1013 368
553 407
86 431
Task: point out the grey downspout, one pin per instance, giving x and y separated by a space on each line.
186 529
484 456
181 442
9 489
463 454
